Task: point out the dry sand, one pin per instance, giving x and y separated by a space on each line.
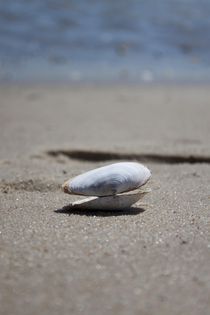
152 259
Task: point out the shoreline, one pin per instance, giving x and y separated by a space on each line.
106 83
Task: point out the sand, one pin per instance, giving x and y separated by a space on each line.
152 259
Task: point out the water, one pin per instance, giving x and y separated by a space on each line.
103 40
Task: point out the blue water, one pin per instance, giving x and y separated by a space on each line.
103 40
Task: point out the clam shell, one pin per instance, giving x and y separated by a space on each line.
116 202
109 180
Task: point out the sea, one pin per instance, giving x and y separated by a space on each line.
105 41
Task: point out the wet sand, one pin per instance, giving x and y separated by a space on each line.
152 259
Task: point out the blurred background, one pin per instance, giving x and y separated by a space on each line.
105 40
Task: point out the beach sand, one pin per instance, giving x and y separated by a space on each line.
152 259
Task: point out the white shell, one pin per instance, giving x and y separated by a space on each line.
109 180
117 202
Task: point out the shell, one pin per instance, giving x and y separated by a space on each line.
117 202
109 180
